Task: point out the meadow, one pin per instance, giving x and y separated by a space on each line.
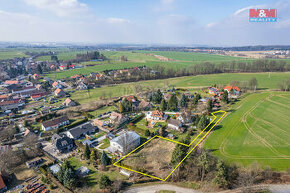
256 130
10 54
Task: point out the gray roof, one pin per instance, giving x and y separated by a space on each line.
128 137
174 122
81 129
55 121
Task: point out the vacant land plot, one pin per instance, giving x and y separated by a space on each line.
10 54
154 158
256 131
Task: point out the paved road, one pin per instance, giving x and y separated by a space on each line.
154 188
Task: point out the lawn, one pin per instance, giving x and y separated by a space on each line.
94 176
257 130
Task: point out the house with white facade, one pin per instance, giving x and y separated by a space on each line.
125 143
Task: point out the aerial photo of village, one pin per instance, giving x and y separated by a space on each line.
157 96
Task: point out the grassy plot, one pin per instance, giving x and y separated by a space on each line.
146 160
10 54
257 130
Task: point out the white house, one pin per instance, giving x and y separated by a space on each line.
55 123
125 143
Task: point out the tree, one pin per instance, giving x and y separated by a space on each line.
172 103
124 58
127 105
69 178
163 105
225 97
105 182
253 84
121 108
105 160
202 122
87 151
196 98
203 163
94 155
183 101
39 69
209 106
157 96
147 133
221 175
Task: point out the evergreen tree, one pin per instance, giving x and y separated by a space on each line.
121 108
172 103
203 162
127 105
39 69
157 96
94 155
183 101
202 122
87 151
178 154
196 98
147 133
68 177
105 160
221 175
163 105
225 97
105 182
209 106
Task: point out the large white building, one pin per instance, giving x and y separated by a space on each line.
125 143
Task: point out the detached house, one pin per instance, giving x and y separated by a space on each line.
232 90
175 125
213 91
55 123
57 85
59 92
36 76
62 144
124 143
117 118
156 115
69 103
81 130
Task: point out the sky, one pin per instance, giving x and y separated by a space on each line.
164 22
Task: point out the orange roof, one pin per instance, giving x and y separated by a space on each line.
55 84
4 96
157 114
11 82
58 90
2 184
232 87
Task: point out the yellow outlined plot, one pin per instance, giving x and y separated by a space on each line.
188 145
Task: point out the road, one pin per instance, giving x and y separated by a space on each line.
275 188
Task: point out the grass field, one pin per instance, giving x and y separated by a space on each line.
257 130
10 54
189 82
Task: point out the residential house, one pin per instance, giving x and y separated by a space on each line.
62 144
23 90
37 97
68 102
117 118
233 90
81 130
144 106
55 123
38 87
175 124
100 76
35 162
156 115
57 85
4 148
124 143
82 86
213 91
59 92
167 96
11 104
10 82
36 76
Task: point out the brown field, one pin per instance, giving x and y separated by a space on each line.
154 158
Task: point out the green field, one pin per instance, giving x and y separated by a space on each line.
10 54
189 82
257 130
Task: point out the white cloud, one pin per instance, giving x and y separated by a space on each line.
61 8
164 5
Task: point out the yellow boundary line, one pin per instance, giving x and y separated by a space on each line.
187 145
